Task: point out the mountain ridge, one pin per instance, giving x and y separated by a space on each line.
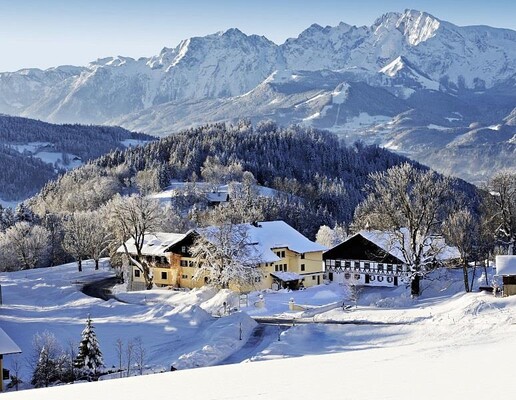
451 76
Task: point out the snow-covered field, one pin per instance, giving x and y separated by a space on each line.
445 345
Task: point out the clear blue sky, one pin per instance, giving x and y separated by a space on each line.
45 33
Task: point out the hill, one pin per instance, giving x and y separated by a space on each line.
33 152
323 178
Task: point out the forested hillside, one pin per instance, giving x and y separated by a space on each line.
323 179
33 152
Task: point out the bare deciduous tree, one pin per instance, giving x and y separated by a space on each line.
132 218
226 255
461 230
140 353
411 204
24 246
76 242
500 205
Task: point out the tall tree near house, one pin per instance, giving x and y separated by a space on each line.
226 255
461 230
77 237
89 356
133 217
500 205
411 204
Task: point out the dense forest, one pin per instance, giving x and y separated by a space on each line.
323 179
23 174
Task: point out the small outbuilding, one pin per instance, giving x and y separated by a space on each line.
7 346
506 268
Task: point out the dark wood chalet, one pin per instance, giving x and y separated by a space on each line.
365 262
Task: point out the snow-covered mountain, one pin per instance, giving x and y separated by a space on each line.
357 81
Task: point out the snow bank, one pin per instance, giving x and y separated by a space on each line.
223 340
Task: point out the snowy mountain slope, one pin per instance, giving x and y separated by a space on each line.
434 53
351 80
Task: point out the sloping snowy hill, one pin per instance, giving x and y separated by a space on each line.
446 333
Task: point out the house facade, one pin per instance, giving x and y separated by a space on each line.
285 257
375 258
360 260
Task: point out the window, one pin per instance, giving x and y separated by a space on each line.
190 263
399 269
183 263
380 267
184 276
328 263
164 275
313 277
357 276
136 273
278 253
164 260
183 249
302 267
367 266
302 256
283 254
357 265
276 268
347 264
389 268
337 263
347 275
257 279
284 267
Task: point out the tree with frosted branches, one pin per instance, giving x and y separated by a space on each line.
89 357
226 255
412 205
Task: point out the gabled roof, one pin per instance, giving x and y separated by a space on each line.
155 244
390 244
359 247
506 265
7 345
266 236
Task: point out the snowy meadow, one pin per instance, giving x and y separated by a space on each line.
387 341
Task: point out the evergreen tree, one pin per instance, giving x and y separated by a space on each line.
89 357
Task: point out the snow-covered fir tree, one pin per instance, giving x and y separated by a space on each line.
89 357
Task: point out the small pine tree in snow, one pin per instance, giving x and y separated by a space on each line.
89 357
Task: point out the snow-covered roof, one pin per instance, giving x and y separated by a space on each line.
7 346
287 276
154 244
391 243
269 235
506 265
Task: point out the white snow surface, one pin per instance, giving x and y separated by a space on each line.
506 265
447 335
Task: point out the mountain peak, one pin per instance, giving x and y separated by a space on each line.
417 26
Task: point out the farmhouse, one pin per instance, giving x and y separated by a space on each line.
7 346
506 268
375 258
285 257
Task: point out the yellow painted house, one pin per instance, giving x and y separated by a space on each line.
286 258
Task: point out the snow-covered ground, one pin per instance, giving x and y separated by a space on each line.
446 344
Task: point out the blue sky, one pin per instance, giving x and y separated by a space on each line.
37 33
